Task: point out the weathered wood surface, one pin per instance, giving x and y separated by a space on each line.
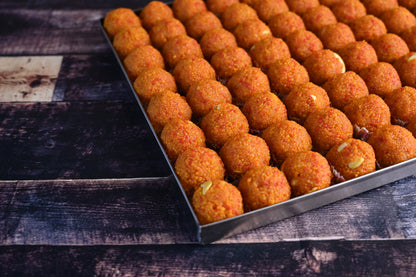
95 77
304 258
73 200
148 211
77 140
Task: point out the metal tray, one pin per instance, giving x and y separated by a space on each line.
214 231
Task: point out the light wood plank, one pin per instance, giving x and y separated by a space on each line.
28 79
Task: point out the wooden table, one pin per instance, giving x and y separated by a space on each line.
85 190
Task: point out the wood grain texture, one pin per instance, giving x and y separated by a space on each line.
92 212
95 77
304 258
25 79
151 211
51 32
77 140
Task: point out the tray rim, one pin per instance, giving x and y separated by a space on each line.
208 233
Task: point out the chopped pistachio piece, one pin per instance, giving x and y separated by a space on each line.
206 186
412 57
342 146
356 163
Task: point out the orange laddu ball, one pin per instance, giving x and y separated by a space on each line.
118 19
243 152
223 122
179 135
217 200
307 172
197 165
263 186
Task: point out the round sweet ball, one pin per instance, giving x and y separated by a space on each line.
251 31
130 38
179 135
243 152
378 7
369 112
166 106
185 9
304 99
390 47
307 172
393 144
285 74
152 81
345 88
205 95
236 14
142 57
336 36
348 10
219 6
402 104
153 12
285 23
410 4
301 6
303 43
268 51
368 27
164 30
215 40
191 70
223 122
230 60
263 186
412 126
409 37
217 200
323 65
381 78
180 47
318 17
406 67
286 138
264 109
266 9
352 158
328 127
201 23
358 55
197 165
118 19
398 20
247 82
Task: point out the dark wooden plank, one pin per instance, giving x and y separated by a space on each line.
50 32
304 258
95 77
91 212
77 140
